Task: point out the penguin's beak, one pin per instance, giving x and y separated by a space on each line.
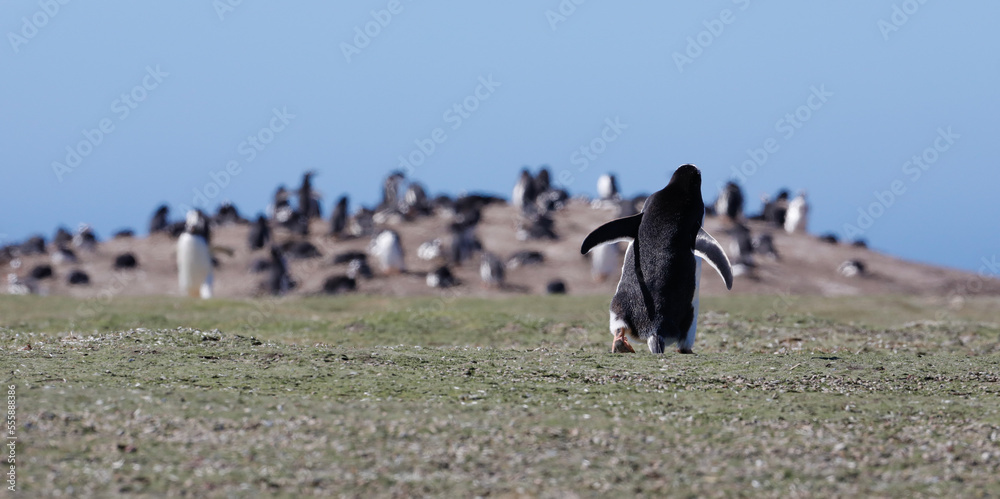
620 343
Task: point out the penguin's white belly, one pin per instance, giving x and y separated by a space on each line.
194 266
796 218
517 197
722 205
388 253
392 259
605 188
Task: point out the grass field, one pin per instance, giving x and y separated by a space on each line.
381 397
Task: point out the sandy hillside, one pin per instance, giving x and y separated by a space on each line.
806 265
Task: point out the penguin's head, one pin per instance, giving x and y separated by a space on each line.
684 188
196 224
686 177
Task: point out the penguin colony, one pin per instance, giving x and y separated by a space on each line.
282 242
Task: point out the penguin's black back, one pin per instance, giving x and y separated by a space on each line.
278 281
260 233
338 220
658 284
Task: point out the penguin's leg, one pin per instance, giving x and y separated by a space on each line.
656 343
620 344
620 330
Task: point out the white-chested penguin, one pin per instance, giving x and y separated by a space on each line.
194 256
607 187
797 216
387 250
605 259
657 297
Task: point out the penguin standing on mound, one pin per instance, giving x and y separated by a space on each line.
657 297
491 270
607 187
159 222
730 202
524 191
194 258
259 234
338 219
279 281
797 217
388 252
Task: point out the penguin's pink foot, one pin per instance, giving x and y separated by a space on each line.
620 343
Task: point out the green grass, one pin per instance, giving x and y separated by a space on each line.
372 396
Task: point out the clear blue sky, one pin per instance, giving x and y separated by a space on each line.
214 77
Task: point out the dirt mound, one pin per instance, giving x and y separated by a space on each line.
806 265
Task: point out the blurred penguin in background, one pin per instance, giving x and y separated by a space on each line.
606 261
491 270
542 181
392 191
279 281
415 203
260 233
85 238
730 202
194 257
338 219
524 193
797 218
309 207
159 221
387 250
607 187
775 210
